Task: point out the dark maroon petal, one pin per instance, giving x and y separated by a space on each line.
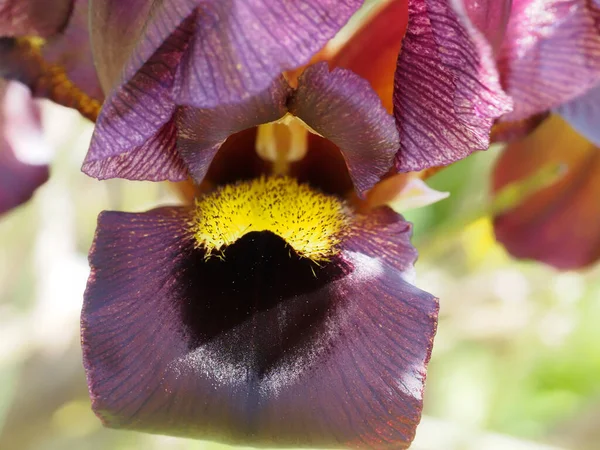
262 348
20 131
345 109
583 114
550 54
134 135
33 17
558 224
447 93
202 131
238 48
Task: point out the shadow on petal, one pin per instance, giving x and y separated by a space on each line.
261 348
560 224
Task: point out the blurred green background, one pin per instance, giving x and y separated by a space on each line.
515 363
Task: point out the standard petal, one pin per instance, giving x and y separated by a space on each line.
202 131
136 128
260 348
372 51
33 17
583 114
22 147
559 61
239 46
343 108
560 224
447 93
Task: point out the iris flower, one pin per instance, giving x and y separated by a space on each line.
279 308
553 77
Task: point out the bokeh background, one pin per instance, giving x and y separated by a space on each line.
516 361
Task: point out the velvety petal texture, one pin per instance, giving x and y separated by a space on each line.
22 147
550 53
560 224
447 93
33 17
261 348
238 46
343 108
583 114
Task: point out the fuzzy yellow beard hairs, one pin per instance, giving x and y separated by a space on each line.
311 222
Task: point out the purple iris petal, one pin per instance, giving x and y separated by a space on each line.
238 46
343 107
447 93
550 54
257 348
202 131
33 17
136 127
20 132
583 114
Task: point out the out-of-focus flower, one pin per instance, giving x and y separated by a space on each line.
554 71
47 50
23 152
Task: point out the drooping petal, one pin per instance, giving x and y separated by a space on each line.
560 224
238 47
135 134
261 347
372 51
447 93
550 54
202 131
343 108
583 114
23 152
33 17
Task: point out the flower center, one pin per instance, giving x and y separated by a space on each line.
282 142
311 222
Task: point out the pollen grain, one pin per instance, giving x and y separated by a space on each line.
311 222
